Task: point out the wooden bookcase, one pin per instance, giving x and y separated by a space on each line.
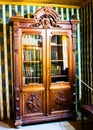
43 67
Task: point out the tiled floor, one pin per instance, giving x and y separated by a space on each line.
62 125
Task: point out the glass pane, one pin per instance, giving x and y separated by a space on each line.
59 58
32 59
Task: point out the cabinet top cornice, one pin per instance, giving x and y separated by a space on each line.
45 17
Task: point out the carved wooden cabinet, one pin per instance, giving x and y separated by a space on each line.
43 67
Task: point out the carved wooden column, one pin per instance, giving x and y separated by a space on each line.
74 22
17 78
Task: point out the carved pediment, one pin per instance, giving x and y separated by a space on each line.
46 18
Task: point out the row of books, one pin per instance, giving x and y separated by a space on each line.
56 70
31 55
33 71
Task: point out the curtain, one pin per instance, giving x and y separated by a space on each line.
86 17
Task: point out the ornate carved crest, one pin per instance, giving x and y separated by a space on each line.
46 18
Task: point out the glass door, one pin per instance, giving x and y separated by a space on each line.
58 71
59 58
32 59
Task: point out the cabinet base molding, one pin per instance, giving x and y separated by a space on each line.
44 119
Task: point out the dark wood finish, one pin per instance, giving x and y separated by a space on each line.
86 111
52 96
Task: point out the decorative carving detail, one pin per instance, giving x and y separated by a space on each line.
17 89
46 21
17 109
16 45
33 103
73 23
16 25
74 29
46 18
46 10
16 13
16 39
73 17
60 99
17 99
16 31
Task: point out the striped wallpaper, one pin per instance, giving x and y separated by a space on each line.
87 53
6 72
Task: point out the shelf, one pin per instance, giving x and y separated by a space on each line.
55 45
32 62
58 76
57 60
34 46
27 80
31 47
30 77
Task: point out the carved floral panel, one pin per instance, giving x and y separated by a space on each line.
60 100
32 102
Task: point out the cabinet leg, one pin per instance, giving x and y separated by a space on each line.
18 123
18 127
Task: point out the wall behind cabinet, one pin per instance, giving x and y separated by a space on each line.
86 16
6 72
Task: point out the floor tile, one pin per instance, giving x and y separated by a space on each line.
66 126
46 126
61 125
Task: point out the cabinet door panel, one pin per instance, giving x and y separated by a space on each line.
33 73
60 99
58 66
33 103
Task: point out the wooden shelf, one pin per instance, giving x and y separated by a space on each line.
56 45
32 61
56 76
